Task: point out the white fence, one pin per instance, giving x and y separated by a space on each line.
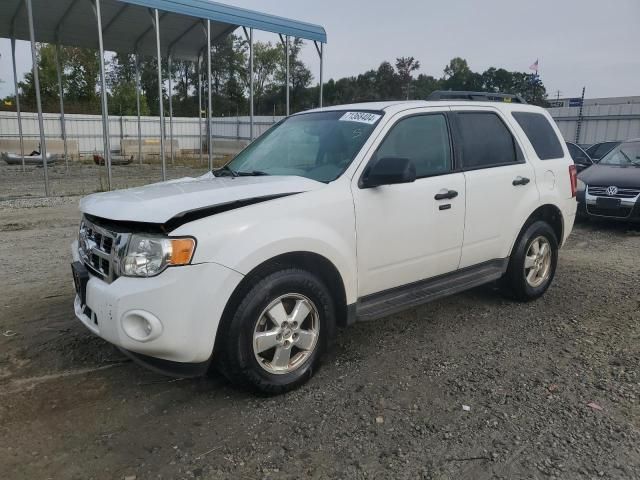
87 129
599 122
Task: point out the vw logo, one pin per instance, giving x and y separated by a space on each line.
611 191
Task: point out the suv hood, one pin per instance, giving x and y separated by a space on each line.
160 202
606 175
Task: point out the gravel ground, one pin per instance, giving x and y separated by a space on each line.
389 402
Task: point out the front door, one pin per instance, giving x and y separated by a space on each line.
413 231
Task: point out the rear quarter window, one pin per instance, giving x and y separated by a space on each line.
541 135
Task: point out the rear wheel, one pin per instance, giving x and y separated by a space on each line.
276 337
533 263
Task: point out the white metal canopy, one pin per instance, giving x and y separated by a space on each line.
127 27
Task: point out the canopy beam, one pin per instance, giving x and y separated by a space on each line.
36 81
170 93
249 36
156 18
103 94
209 102
138 87
320 49
17 90
285 43
63 127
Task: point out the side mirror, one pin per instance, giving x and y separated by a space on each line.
389 171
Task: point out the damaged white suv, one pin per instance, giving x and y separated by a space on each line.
333 216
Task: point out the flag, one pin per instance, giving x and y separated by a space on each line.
534 67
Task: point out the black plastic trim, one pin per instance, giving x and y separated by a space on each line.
475 96
167 367
401 298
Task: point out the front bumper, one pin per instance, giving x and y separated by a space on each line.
629 209
181 307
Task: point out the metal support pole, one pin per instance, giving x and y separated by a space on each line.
156 25
200 105
209 141
287 53
103 91
36 81
138 109
321 72
580 117
18 111
170 111
63 128
251 84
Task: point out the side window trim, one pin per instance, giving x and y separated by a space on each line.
517 149
452 150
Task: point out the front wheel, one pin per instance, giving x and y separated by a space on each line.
277 335
533 263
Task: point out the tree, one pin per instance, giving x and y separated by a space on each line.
405 67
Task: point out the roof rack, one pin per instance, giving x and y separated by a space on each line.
476 96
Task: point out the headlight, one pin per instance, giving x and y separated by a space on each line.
149 255
581 186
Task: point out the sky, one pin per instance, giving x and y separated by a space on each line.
589 43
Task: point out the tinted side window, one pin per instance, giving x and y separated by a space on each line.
541 134
423 139
601 150
485 140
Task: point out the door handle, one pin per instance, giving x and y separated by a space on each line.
445 194
520 181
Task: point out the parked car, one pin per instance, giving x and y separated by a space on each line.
599 150
611 188
335 215
579 156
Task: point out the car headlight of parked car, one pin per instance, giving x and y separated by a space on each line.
581 186
149 255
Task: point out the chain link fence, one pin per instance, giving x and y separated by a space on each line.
83 172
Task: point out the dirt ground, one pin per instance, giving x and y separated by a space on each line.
388 402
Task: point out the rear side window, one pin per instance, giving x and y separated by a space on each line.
541 134
485 141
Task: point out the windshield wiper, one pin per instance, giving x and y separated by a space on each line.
254 173
226 168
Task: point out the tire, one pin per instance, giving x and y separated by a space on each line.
519 282
252 325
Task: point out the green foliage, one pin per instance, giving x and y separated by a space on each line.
230 81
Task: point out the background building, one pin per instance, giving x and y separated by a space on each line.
598 120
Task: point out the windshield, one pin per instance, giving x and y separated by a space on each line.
624 155
319 146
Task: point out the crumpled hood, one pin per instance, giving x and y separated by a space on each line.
159 202
605 175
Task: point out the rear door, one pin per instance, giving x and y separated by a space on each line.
500 185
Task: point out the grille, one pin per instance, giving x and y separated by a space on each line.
601 191
96 248
622 212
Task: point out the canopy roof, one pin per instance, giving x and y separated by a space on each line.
127 26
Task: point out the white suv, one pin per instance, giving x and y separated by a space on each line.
333 216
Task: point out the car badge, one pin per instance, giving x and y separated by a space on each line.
611 191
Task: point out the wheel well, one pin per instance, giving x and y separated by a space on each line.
311 262
550 214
